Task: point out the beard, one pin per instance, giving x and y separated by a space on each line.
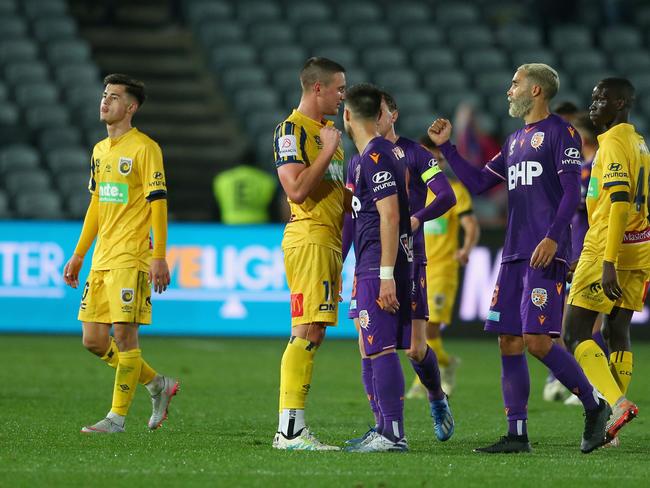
520 107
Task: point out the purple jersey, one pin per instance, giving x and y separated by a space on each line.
376 174
422 167
530 162
580 221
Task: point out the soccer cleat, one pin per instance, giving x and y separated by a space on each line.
448 375
508 444
623 412
378 443
305 441
359 440
104 426
595 426
573 401
554 391
615 442
160 402
443 421
417 390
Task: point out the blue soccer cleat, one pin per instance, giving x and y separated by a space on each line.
443 421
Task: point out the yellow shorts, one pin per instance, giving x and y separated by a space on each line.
118 295
441 293
587 291
314 276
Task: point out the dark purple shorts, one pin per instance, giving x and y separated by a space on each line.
527 300
382 330
419 302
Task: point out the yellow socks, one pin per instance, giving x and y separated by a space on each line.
593 362
126 380
147 373
436 345
295 373
620 364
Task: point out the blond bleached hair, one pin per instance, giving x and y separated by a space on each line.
544 76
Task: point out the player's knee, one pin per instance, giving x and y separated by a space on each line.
511 345
538 345
94 345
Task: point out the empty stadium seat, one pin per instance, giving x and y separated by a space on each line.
585 82
581 61
287 56
518 36
341 53
252 11
9 115
12 27
383 58
408 13
412 101
54 137
50 29
307 11
33 94
321 33
208 9
534 55
269 33
491 82
450 14
414 125
446 80
570 37
479 60
358 12
286 78
3 91
44 204
256 99
231 55
396 79
370 35
19 72
263 122
631 61
470 37
620 39
77 204
448 102
43 116
67 51
87 95
17 50
216 32
76 74
22 180
429 60
37 9
5 213
244 77
74 182
420 36
18 156
64 159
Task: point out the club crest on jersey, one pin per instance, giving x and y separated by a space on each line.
398 152
364 319
539 297
375 157
125 166
127 295
537 140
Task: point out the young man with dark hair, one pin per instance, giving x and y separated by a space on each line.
541 165
384 256
614 267
309 161
128 199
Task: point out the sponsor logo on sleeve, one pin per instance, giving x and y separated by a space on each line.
615 170
573 156
383 180
287 146
494 316
125 165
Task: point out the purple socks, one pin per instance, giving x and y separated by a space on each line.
366 376
429 374
515 386
389 390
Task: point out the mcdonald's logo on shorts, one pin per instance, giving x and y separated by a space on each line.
297 309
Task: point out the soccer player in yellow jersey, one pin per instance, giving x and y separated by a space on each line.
444 258
614 266
128 198
309 161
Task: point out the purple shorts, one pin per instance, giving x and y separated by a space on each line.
382 330
539 294
419 302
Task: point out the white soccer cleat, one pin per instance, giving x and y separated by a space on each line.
554 391
417 390
573 401
160 402
448 375
104 426
379 443
305 441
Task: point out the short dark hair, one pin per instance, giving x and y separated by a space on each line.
364 101
566 108
319 69
132 86
390 101
622 87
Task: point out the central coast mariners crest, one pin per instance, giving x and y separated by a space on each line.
125 166
539 297
127 295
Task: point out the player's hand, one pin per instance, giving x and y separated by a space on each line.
415 223
71 271
544 253
331 138
388 296
611 287
462 256
440 131
572 269
159 275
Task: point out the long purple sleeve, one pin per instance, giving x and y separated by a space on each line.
347 237
570 182
476 180
445 199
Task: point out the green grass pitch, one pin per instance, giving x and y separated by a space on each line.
222 422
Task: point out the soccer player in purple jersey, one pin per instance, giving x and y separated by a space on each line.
424 174
384 255
541 165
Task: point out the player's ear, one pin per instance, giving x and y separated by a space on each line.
346 114
316 87
394 116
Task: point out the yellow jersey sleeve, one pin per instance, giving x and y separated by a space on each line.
289 144
463 200
616 165
152 173
92 182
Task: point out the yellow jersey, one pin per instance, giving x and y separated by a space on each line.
126 174
622 163
441 234
319 219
